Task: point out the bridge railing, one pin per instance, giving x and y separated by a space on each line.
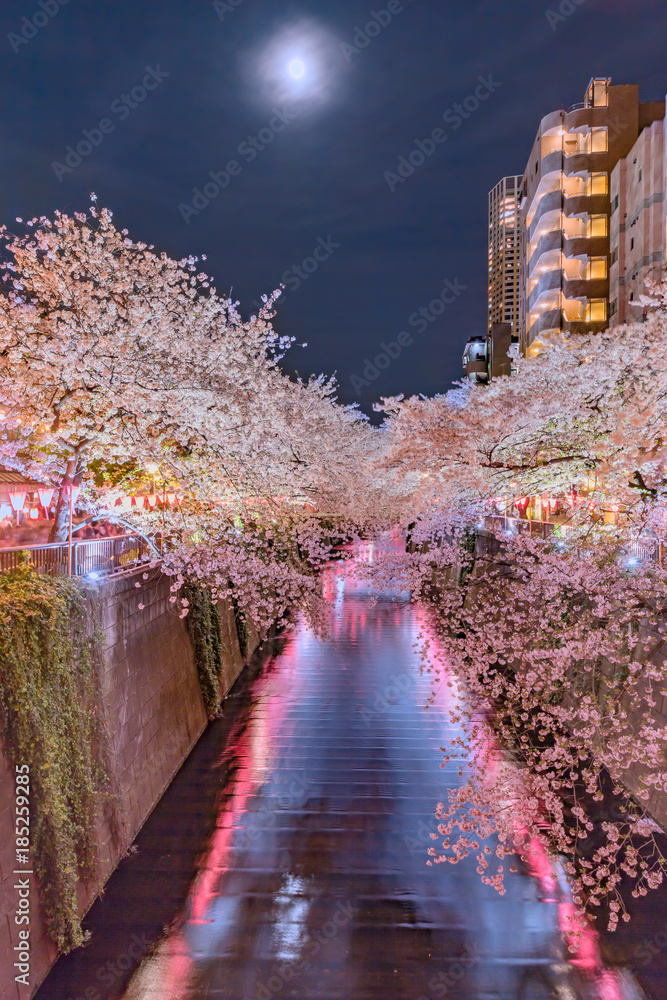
92 557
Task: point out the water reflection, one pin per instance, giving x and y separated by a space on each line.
315 884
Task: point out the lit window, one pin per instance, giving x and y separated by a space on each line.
596 311
597 268
597 226
598 184
598 96
599 140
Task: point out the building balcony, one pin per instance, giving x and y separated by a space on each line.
585 246
552 163
548 322
549 241
581 204
548 282
549 203
579 288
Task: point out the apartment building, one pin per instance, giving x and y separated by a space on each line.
565 211
638 223
504 252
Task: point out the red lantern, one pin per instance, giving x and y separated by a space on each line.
33 514
152 500
72 493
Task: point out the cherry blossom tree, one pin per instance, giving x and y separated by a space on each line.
556 644
116 360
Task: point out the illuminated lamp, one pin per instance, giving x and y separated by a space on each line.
45 498
553 504
17 500
171 498
126 502
72 493
152 500
33 514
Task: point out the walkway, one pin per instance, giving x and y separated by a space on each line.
322 782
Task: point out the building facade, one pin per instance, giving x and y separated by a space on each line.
504 252
638 223
565 211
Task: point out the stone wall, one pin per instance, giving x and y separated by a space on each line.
156 713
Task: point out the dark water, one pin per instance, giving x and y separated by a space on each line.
289 857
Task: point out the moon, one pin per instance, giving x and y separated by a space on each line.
296 69
298 64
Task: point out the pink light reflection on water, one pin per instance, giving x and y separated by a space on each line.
581 938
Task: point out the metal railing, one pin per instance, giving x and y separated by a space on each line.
93 557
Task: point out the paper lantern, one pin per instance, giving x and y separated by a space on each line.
17 500
152 500
33 514
45 498
72 493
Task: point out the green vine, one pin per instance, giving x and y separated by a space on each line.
52 719
242 631
203 624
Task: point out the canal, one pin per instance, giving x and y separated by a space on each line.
288 858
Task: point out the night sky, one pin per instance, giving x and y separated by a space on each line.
215 75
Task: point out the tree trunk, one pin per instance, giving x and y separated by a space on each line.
60 530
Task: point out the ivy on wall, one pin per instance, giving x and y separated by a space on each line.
203 624
52 719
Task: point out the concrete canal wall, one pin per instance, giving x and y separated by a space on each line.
156 714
